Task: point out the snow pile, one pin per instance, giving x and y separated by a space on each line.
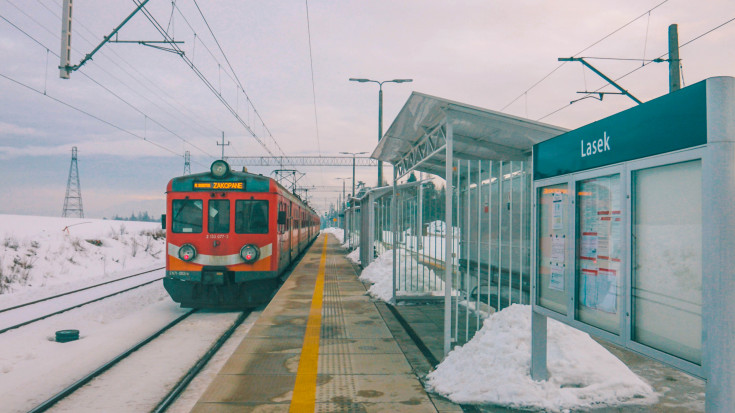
494 367
46 251
354 256
413 279
336 233
439 228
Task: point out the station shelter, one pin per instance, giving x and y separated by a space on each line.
634 234
458 215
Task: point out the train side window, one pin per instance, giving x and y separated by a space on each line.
219 216
186 215
251 217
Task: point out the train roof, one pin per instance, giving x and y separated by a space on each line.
234 180
231 181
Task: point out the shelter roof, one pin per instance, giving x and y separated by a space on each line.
418 132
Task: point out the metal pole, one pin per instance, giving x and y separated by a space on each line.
353 174
674 75
448 240
380 131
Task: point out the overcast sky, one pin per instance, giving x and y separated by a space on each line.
145 107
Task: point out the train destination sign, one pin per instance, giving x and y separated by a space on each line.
219 185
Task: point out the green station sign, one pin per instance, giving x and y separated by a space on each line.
672 122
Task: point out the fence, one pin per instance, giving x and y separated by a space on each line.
490 241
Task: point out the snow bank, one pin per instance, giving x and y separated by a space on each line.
414 279
336 233
46 251
494 368
354 256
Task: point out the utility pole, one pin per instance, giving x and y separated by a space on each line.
674 73
187 163
73 199
223 144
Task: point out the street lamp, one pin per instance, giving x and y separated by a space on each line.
380 113
354 154
344 200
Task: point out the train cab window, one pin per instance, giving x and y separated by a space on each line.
186 215
219 216
251 217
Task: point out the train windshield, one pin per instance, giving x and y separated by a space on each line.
251 217
219 216
186 215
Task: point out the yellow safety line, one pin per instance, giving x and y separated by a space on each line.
304 392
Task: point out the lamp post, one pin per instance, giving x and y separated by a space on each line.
344 199
380 113
354 154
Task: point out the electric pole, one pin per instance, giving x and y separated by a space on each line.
674 73
223 144
187 163
73 199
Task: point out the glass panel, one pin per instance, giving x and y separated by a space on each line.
219 216
553 204
251 217
186 215
667 259
599 252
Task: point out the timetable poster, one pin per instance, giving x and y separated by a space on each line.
599 248
553 204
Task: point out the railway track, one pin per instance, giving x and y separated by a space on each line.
10 315
177 389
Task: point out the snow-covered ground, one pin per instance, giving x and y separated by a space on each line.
338 233
52 255
44 256
494 366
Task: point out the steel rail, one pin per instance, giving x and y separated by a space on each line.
179 388
86 379
79 290
76 306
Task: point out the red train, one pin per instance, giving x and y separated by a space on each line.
230 235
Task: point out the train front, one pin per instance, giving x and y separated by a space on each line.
220 236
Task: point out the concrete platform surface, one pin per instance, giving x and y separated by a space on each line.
322 345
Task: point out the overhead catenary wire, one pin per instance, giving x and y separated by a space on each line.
71 106
642 66
190 117
242 88
313 83
582 51
201 76
105 88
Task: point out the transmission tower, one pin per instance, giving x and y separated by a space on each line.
187 163
73 200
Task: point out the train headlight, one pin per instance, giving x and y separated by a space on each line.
220 168
250 253
187 252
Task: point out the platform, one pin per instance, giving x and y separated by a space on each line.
322 345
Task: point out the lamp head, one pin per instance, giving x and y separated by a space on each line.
359 80
401 80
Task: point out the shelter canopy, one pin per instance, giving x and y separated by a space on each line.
417 138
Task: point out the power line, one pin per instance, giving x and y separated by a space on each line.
242 88
582 51
69 105
641 67
104 87
313 84
185 117
201 76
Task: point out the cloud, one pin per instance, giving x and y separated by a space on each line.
12 131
